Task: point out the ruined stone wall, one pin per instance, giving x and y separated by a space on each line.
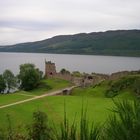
87 82
78 81
84 80
97 80
92 79
100 76
65 76
117 75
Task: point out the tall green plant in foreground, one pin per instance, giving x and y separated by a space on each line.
77 130
88 132
67 131
126 124
39 129
1 134
12 133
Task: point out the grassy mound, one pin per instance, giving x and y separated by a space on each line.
130 83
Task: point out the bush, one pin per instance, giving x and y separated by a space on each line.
39 129
110 94
132 82
64 71
76 74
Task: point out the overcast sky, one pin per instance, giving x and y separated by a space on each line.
30 20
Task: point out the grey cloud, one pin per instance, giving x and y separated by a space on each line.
39 19
30 25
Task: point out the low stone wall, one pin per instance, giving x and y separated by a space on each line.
65 76
118 75
114 76
97 80
78 81
92 79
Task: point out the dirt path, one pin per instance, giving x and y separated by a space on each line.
57 92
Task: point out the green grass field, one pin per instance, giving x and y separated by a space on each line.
54 107
49 85
14 97
93 98
46 86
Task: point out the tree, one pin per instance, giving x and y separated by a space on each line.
29 76
9 79
2 84
64 71
76 74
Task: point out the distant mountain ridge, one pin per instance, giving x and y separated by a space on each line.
119 42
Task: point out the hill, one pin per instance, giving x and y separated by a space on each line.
119 42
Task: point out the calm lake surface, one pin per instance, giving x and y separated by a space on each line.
82 63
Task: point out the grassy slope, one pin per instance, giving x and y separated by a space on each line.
50 85
54 106
10 98
45 87
97 105
99 92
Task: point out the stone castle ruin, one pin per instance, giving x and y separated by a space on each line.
85 79
50 71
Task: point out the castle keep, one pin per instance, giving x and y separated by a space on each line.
50 69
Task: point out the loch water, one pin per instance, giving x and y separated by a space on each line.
82 63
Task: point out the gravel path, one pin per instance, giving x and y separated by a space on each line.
57 92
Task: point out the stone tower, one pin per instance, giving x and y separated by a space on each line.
50 69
